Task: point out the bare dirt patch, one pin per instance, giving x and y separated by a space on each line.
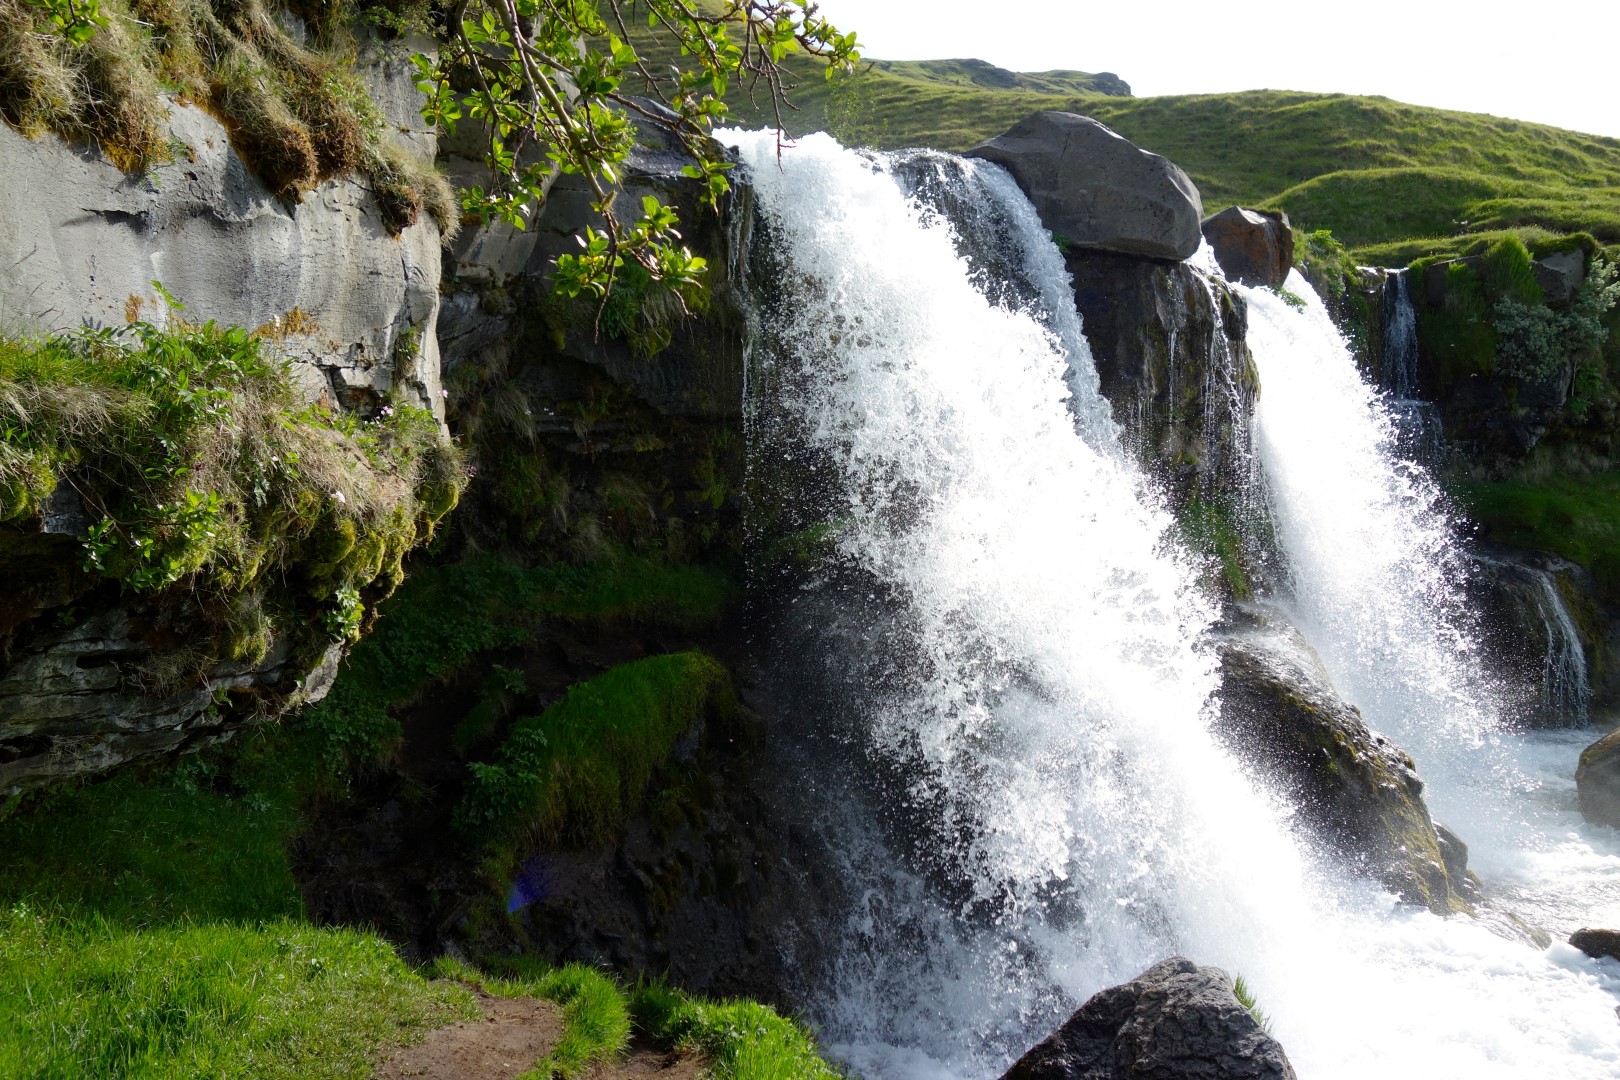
503 1045
514 1033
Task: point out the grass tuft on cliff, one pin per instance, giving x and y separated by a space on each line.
284 87
198 472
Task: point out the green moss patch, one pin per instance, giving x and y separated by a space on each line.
446 615
1577 517
577 770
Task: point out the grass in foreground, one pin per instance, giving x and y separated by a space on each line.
81 997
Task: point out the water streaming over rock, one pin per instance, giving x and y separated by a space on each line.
1420 436
998 667
1565 691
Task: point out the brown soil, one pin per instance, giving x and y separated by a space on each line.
505 1044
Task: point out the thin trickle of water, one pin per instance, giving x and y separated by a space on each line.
1009 654
1565 690
1400 359
1419 431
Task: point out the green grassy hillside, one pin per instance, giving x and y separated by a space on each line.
1374 171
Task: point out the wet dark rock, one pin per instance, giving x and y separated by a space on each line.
1255 247
1096 190
1172 360
1598 944
1175 1021
1545 634
1597 781
1355 789
499 294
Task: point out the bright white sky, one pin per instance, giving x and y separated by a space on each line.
1550 62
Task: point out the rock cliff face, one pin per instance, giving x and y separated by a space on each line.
92 676
352 306
1169 346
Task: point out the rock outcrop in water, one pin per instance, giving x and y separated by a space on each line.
1597 781
1171 358
1357 791
1175 1021
1096 190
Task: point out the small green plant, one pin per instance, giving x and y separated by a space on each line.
1536 342
1290 297
75 21
1246 998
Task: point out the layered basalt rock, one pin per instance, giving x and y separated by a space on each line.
93 676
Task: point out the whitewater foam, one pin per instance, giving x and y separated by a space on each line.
1042 810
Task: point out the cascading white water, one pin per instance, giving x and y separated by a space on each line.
1377 588
1049 814
1564 687
1417 422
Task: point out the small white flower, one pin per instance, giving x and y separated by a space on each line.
445 394
338 495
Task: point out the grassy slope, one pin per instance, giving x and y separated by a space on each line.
1372 170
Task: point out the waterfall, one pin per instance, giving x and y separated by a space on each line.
999 671
1564 687
1400 352
1417 422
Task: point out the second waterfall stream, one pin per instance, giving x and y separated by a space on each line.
1003 666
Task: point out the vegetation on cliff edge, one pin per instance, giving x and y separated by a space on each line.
198 472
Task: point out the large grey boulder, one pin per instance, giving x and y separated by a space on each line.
1254 247
351 306
1095 189
1175 1021
1597 781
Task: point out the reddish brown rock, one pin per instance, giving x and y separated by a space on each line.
1255 247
